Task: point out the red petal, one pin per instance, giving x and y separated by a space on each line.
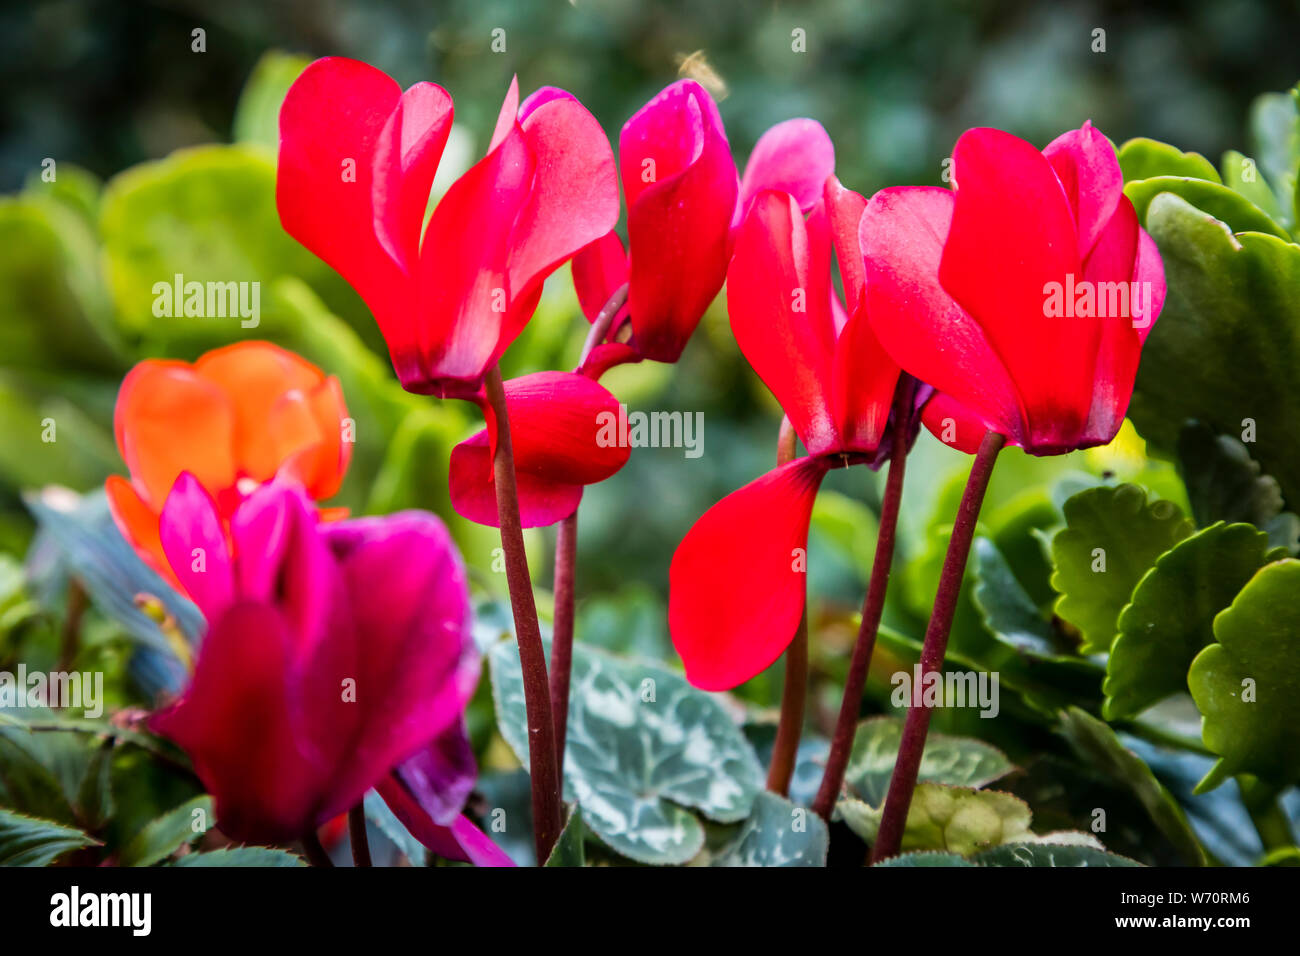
791 349
793 157
845 208
737 581
928 334
598 270
1012 236
565 430
678 223
1088 169
954 424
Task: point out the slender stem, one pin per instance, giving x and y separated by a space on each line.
566 562
785 748
316 854
873 606
543 766
603 320
917 724
71 638
357 836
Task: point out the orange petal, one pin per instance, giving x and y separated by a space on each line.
138 524
169 420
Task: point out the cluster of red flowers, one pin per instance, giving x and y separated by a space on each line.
939 319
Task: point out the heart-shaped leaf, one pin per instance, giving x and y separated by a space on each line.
1112 536
1171 616
642 745
1050 854
778 833
957 761
1247 686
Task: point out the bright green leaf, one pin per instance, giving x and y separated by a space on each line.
957 819
1143 158
1243 175
1247 686
1112 536
1171 616
1221 202
257 116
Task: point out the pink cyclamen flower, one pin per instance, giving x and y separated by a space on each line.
736 588
1023 295
357 162
684 203
335 656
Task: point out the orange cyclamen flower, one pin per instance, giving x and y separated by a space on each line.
237 417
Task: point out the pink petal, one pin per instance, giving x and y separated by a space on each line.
737 580
462 841
779 304
794 157
928 334
195 544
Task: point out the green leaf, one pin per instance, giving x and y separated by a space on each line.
926 858
241 856
378 813
778 833
165 835
1229 207
1112 536
1100 749
957 819
1243 175
1225 349
1049 854
568 850
1144 158
95 796
1009 613
642 745
257 116
1225 484
1247 686
209 215
1275 131
957 761
29 841
1171 616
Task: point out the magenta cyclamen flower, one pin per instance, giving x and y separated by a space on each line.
333 654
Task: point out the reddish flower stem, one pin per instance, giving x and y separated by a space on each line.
873 607
543 766
916 726
316 854
357 836
785 748
566 562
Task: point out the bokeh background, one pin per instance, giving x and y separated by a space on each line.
148 185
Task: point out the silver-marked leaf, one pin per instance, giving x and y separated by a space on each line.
778 833
957 761
1050 854
642 745
926 858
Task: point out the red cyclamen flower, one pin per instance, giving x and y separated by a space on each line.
357 161
684 202
1023 295
737 579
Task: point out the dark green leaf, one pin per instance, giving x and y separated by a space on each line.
568 850
29 841
165 835
1049 854
241 856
